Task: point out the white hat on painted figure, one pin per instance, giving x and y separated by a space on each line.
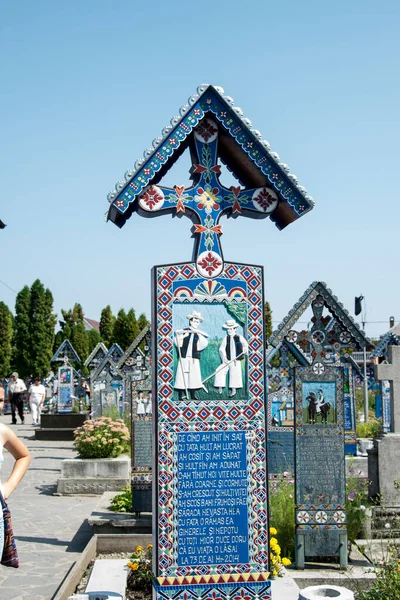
195 315
230 323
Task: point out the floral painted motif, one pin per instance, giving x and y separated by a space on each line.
207 198
210 264
318 368
303 517
209 229
207 130
265 200
321 516
339 516
152 199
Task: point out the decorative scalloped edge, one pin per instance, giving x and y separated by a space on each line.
94 352
134 345
294 314
65 344
384 343
158 141
113 368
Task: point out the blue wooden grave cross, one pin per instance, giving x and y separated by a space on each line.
207 200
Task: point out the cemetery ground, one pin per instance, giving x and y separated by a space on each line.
52 531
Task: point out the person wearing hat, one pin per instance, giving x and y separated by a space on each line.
16 391
232 351
36 397
190 342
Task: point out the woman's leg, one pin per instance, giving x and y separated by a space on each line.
34 411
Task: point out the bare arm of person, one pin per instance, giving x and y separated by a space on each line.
22 459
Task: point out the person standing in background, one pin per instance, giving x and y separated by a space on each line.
16 391
36 397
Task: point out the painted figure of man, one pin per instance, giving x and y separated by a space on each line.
232 351
190 342
320 401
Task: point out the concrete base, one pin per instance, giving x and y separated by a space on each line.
383 470
90 485
99 544
378 551
68 420
108 575
357 576
326 591
59 427
105 521
55 435
284 588
93 475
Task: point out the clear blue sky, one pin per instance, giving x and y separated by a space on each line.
87 85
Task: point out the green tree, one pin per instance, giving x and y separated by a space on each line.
6 336
268 322
73 329
119 333
107 321
80 341
142 322
94 338
21 342
132 328
41 329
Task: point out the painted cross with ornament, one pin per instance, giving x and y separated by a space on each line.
207 200
326 343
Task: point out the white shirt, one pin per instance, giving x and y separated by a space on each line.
15 387
36 393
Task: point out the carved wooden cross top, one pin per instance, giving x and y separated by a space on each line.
207 200
391 372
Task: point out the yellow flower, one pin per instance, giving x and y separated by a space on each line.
272 531
286 562
134 567
277 550
150 546
273 542
139 549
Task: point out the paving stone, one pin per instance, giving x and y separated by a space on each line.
50 531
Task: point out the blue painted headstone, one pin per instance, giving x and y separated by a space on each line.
320 465
211 511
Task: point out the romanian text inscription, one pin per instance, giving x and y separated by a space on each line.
212 498
320 469
143 444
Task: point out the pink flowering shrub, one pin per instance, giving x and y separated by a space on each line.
103 438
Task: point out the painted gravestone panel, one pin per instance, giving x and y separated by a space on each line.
212 515
385 403
65 388
142 451
209 355
333 334
320 464
142 461
349 394
135 365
